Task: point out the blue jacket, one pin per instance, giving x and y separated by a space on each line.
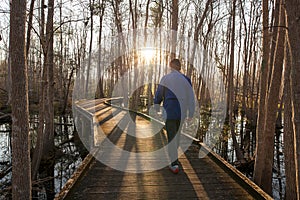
176 92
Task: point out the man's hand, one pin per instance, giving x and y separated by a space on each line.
157 107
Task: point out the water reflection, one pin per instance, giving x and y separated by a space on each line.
4 144
5 157
68 155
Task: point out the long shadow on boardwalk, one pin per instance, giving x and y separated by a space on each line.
198 178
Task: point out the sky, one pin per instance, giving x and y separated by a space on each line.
4 27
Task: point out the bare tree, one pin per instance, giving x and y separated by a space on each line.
174 27
271 108
121 46
91 6
30 16
292 10
45 138
134 17
289 137
48 151
38 149
230 88
264 71
21 178
196 35
102 7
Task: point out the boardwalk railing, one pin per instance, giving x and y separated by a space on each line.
202 185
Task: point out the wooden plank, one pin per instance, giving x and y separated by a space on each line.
250 186
198 178
159 184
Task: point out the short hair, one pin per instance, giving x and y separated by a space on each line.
175 64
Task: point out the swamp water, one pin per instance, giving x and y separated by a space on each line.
65 164
71 158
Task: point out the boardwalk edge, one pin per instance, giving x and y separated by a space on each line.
75 176
244 181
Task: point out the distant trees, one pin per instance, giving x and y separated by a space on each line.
21 178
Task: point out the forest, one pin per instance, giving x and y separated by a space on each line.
242 57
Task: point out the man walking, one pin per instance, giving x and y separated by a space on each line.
176 92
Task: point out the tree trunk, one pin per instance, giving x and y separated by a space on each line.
174 27
68 91
247 47
29 27
273 35
121 47
49 140
48 151
147 14
90 49
136 94
272 107
21 178
8 81
292 8
100 64
38 149
44 149
196 36
264 71
48 147
61 63
289 139
230 89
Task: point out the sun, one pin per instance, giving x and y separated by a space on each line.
148 54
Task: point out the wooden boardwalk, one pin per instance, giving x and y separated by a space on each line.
199 178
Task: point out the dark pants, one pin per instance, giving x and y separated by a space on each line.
173 128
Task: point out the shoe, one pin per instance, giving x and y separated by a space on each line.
174 168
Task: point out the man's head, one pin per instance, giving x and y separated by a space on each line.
175 64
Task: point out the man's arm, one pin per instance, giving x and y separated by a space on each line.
159 95
191 99
191 103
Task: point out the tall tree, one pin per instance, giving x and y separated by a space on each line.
120 47
264 71
271 106
38 149
196 35
48 151
289 139
292 10
100 91
45 139
29 27
134 19
21 178
174 27
230 88
49 145
91 5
